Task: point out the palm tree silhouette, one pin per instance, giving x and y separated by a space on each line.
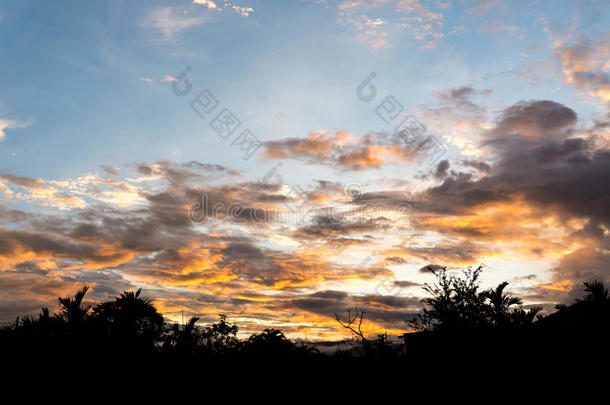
522 317
595 291
131 320
500 303
270 342
71 308
188 340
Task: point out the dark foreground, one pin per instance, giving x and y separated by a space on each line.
462 330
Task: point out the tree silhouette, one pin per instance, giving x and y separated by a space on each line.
370 349
222 335
595 292
462 325
273 344
353 323
130 320
500 304
187 340
523 317
455 301
72 309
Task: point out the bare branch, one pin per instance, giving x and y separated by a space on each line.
351 321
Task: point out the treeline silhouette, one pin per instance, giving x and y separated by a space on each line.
130 325
460 324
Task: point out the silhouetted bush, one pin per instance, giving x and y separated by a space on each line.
457 302
464 326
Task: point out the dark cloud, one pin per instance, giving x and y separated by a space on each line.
336 225
179 174
534 162
585 264
480 166
395 260
535 118
462 252
459 93
441 169
390 310
330 294
22 181
25 291
405 283
14 243
541 162
111 170
390 301
13 216
431 268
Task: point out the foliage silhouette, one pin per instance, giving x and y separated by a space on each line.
72 309
595 292
463 325
221 337
456 303
129 321
459 324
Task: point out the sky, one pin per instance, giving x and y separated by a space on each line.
283 161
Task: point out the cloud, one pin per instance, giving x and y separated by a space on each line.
535 119
461 93
208 3
342 149
94 188
540 192
111 170
421 22
368 31
40 191
500 27
528 186
197 266
459 117
383 23
446 252
544 173
584 264
482 7
480 166
584 64
169 78
430 268
19 246
441 169
169 22
243 11
11 124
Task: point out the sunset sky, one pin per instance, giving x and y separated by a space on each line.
283 161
